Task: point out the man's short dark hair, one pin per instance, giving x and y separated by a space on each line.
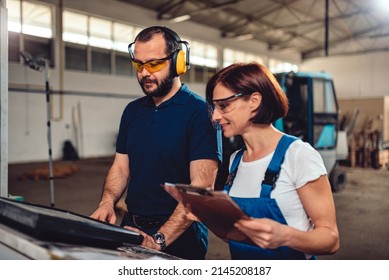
171 37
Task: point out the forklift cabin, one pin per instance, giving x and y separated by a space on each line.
313 116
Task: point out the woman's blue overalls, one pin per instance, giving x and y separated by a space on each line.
262 207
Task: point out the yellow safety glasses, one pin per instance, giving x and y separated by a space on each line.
152 66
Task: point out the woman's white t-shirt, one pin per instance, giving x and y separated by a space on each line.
301 165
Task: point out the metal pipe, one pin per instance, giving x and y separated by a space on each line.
3 99
326 39
52 202
37 64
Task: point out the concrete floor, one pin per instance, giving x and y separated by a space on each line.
362 207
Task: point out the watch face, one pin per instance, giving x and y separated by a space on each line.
159 238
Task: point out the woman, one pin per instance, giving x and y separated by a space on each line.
292 209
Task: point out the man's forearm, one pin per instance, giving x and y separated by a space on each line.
114 186
176 225
203 173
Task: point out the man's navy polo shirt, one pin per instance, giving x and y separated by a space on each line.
160 143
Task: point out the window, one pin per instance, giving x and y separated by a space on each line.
103 41
203 60
123 64
297 121
88 30
202 54
14 18
122 34
37 20
210 73
186 78
75 28
39 47
198 73
324 97
232 56
30 18
324 110
76 57
30 25
277 66
101 60
100 33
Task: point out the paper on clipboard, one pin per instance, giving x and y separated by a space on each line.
214 208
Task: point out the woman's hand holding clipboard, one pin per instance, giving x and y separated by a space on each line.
214 208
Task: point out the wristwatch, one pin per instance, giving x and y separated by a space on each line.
159 239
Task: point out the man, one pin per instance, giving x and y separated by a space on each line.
166 136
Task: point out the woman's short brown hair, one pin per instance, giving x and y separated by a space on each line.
247 78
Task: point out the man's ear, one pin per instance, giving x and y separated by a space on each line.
255 101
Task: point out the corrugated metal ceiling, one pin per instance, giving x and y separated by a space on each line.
354 26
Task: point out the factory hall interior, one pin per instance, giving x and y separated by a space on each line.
128 108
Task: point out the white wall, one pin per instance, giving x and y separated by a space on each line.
356 76
89 120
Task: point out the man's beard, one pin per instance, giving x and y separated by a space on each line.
163 88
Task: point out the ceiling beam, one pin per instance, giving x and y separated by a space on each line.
214 7
353 36
330 19
170 7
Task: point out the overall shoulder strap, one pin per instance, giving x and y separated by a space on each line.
273 170
233 170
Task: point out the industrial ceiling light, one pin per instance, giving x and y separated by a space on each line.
180 18
244 37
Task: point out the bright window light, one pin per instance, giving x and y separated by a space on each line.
203 54
75 28
122 35
37 31
37 20
276 66
100 33
232 56
13 7
382 4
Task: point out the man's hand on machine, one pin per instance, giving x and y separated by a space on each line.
105 213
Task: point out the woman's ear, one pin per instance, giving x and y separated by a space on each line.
255 101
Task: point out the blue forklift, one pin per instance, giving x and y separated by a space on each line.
314 117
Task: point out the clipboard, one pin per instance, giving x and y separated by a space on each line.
214 208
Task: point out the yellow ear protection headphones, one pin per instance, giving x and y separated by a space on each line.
180 59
